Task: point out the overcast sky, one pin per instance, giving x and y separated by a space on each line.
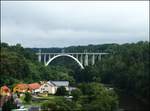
65 23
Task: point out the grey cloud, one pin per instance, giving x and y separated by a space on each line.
46 24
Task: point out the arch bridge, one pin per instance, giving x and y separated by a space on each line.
83 59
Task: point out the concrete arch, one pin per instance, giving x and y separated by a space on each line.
66 55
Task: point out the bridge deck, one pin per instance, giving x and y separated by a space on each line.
73 53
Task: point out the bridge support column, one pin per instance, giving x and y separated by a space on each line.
49 56
86 60
93 59
77 56
44 59
81 59
99 57
39 56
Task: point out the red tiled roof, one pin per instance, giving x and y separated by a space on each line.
34 85
5 88
22 86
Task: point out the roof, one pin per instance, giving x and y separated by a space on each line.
34 85
22 86
5 88
51 83
61 83
72 88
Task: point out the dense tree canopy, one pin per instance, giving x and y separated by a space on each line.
21 65
98 98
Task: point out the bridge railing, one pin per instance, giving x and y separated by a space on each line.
95 53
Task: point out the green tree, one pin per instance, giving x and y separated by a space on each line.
59 104
98 98
28 97
76 94
9 105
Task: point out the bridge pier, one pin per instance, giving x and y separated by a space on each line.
49 57
44 58
93 59
39 56
86 60
77 56
99 57
81 59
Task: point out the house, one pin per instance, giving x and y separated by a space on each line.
72 88
5 91
34 87
57 84
50 87
61 83
21 88
47 88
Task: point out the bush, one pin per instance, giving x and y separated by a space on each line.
9 105
61 104
76 94
28 97
98 98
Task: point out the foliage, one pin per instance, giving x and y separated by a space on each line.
61 104
76 94
126 67
28 97
20 65
89 74
9 105
98 98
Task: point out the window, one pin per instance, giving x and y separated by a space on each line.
42 88
46 86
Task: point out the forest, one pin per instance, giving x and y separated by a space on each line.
126 67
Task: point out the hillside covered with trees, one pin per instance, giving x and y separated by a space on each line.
126 67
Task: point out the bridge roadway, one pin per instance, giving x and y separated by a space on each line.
89 53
